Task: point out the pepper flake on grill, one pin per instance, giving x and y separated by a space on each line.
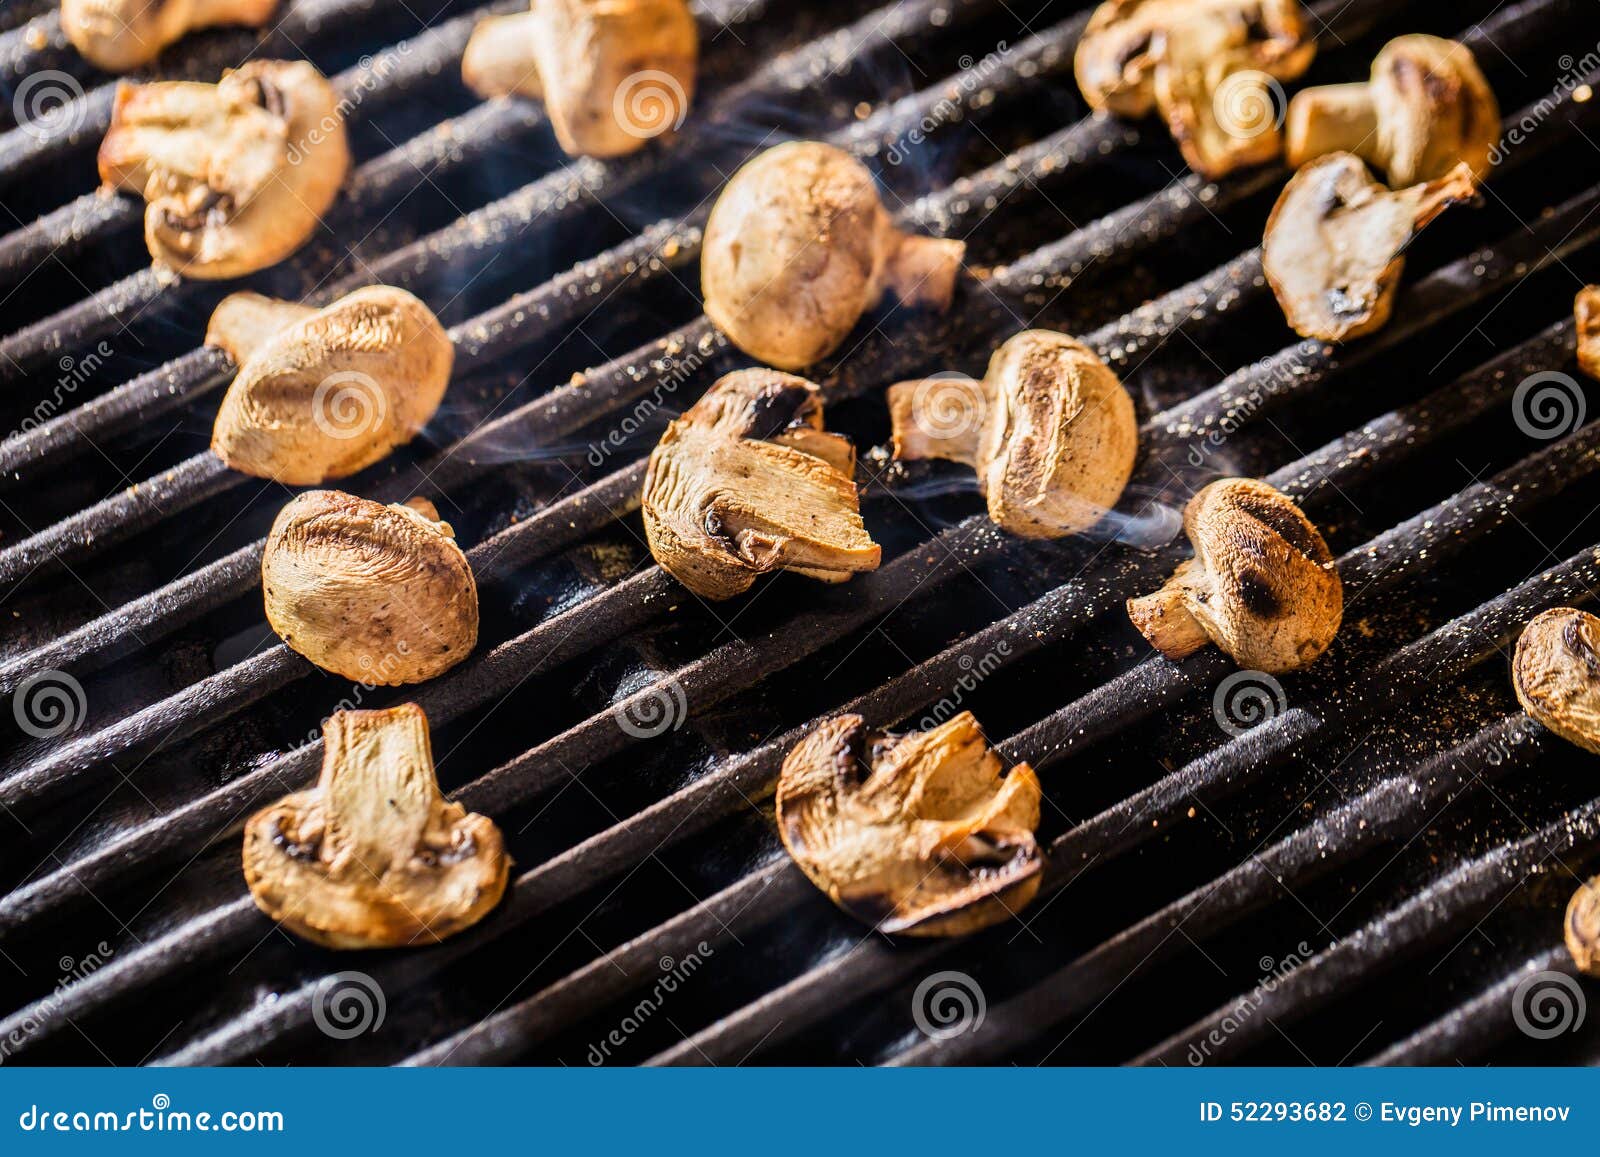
924 834
612 74
121 35
1334 243
747 481
373 856
799 247
324 393
1556 673
1050 431
379 594
1262 584
236 175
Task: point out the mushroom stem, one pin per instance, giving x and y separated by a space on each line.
1165 621
939 418
377 772
242 323
922 271
498 60
1333 118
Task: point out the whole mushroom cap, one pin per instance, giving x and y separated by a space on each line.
378 594
1050 430
923 834
1556 673
798 247
119 35
323 394
1262 584
373 856
1582 927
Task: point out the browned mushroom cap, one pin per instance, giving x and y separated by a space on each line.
237 174
1586 317
799 246
1426 109
118 35
1556 671
1334 243
612 73
746 482
1262 584
1583 927
373 856
922 834
1050 430
379 594
324 393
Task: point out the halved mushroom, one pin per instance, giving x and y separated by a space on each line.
1556 672
1334 245
379 594
1262 584
1050 431
237 174
323 393
799 246
1583 927
1586 320
1426 110
923 834
374 856
119 35
612 73
1211 67
747 481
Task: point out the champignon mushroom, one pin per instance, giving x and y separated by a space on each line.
1334 245
119 35
379 594
1586 320
799 246
1556 672
1050 431
324 393
1426 110
1583 927
1262 584
747 481
373 856
1209 66
236 175
612 73
923 834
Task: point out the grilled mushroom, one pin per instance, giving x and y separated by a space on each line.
1586 318
1209 66
379 594
1050 431
1262 584
746 482
1583 927
612 73
1556 671
119 35
923 834
373 856
1335 239
235 175
1426 110
324 393
799 246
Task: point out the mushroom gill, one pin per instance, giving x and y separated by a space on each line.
1556 673
746 482
373 856
924 834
